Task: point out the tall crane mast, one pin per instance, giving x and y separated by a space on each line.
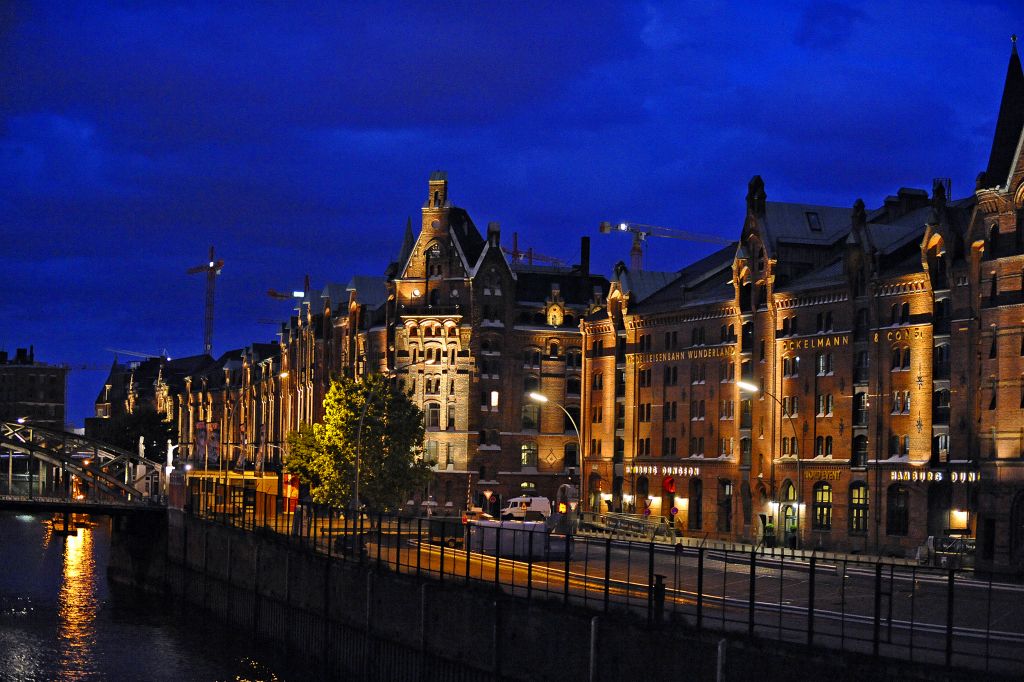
641 232
212 268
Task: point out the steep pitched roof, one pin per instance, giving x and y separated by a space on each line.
1009 125
371 291
805 223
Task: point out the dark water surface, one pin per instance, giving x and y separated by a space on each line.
61 620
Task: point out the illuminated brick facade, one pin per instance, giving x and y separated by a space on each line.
885 354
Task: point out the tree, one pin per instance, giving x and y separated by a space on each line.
123 431
390 450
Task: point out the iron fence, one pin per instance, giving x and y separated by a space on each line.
865 606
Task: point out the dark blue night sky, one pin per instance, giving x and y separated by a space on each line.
297 138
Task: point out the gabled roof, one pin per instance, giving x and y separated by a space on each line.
534 285
1009 125
371 291
805 223
466 236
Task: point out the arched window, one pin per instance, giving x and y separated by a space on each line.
860 451
859 507
572 386
531 384
528 455
897 515
570 455
433 415
643 489
822 506
788 492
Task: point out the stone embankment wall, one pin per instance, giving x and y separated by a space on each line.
354 623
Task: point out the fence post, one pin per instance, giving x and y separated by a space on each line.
529 567
380 537
700 587
810 601
497 552
565 567
419 544
752 592
949 618
607 571
650 584
878 609
442 548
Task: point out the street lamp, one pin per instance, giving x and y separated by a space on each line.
753 388
359 431
538 398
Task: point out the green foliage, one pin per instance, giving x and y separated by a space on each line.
123 431
390 458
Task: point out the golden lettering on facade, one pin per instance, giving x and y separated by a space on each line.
934 476
828 475
833 341
698 354
666 470
902 334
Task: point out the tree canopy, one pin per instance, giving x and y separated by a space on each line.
390 461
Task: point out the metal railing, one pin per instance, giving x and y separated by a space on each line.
889 609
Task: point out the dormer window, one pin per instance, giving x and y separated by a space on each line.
813 221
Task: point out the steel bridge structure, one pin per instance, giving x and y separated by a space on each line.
44 469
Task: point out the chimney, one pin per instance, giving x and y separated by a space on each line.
585 256
21 356
3 357
494 235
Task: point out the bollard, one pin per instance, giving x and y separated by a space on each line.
659 599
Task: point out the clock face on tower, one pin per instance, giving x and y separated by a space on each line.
555 315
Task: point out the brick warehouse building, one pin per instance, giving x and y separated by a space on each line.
884 349
885 345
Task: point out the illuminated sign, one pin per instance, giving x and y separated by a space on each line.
935 476
662 470
833 341
826 475
902 334
695 354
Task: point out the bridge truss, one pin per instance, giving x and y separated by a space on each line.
58 466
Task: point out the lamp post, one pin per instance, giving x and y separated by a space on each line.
538 398
752 388
359 431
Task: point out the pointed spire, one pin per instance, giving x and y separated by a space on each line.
407 242
1010 122
756 196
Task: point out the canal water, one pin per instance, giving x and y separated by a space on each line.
60 619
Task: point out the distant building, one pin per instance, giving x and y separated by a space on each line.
30 390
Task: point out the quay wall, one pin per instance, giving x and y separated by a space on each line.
349 621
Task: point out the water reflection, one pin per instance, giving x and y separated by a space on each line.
77 605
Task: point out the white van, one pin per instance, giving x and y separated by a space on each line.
527 508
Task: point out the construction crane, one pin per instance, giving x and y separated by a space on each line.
137 354
529 256
283 296
641 232
212 268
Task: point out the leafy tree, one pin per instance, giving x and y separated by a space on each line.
390 457
123 431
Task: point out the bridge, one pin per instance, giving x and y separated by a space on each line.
48 470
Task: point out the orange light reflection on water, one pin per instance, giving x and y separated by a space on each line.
77 606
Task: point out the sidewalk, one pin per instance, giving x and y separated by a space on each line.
672 539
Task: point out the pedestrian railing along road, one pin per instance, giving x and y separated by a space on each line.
883 609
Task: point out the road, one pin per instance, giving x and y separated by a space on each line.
909 613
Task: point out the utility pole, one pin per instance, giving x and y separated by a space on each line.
212 268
